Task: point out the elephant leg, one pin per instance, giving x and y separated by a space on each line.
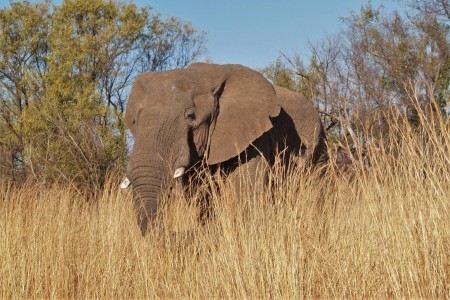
249 176
251 170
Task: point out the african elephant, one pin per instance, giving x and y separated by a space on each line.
218 114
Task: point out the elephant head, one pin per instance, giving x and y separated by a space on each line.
179 117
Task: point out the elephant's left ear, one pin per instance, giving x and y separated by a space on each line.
245 101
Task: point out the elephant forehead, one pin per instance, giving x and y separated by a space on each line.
184 84
174 87
178 91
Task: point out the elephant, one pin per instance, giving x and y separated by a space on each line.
227 116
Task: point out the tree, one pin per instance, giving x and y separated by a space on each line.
379 61
436 9
23 64
169 44
65 76
280 74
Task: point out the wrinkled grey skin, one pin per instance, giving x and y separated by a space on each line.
217 114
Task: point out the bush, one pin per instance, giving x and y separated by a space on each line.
65 72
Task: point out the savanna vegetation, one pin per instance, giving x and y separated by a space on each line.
65 72
375 224
378 61
375 232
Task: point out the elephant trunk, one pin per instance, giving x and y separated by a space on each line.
160 153
147 183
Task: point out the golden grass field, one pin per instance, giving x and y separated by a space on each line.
379 231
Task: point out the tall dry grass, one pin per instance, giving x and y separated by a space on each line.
379 229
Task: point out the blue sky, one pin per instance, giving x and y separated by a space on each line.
253 32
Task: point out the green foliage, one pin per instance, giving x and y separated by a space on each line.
65 72
23 50
280 74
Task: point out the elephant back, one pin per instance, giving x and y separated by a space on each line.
306 120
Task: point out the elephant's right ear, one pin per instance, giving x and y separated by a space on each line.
245 101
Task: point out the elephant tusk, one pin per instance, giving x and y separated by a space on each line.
125 183
179 172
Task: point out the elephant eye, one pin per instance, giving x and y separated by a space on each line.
189 116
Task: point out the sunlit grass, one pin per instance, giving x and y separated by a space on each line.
380 229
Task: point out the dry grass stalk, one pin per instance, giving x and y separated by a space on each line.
382 232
